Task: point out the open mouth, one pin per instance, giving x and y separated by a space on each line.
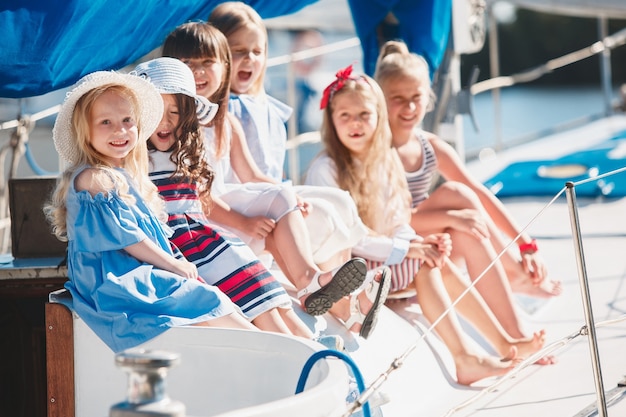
244 75
164 134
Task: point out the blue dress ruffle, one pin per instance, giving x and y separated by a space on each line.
124 301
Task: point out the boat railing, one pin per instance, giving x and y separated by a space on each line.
496 82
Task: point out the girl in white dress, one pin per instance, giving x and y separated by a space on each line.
358 157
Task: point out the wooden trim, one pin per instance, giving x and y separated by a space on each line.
60 360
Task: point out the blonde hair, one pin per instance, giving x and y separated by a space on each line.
231 16
396 61
363 179
135 163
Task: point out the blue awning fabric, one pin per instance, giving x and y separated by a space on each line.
49 44
424 25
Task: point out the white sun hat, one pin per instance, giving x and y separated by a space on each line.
172 76
148 119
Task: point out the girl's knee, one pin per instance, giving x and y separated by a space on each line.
458 192
283 201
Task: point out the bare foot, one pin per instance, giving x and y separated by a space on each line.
546 289
472 368
531 345
547 360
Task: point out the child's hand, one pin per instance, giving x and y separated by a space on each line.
258 227
470 221
427 252
185 269
442 241
535 267
303 206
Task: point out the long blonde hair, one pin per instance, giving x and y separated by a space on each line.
396 61
135 163
229 17
362 179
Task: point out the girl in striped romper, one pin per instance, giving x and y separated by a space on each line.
476 218
183 178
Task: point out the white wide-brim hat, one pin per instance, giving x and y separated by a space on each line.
172 76
148 119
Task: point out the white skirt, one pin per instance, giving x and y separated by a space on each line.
333 222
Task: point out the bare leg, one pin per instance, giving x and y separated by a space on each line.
232 321
339 259
476 311
519 279
455 196
493 285
289 245
434 300
296 326
271 321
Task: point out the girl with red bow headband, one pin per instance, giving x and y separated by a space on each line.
358 157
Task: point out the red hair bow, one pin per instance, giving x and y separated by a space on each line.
341 77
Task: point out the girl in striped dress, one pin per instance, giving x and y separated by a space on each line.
478 221
179 170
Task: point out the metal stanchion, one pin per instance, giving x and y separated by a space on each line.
584 288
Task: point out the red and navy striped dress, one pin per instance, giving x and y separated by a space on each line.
221 257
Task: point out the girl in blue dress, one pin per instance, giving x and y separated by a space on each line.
126 282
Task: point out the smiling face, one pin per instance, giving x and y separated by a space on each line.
113 129
247 46
163 137
407 100
208 74
354 119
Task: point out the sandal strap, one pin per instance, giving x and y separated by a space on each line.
369 277
356 316
313 286
370 288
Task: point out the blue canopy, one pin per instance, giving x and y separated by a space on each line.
423 24
49 44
